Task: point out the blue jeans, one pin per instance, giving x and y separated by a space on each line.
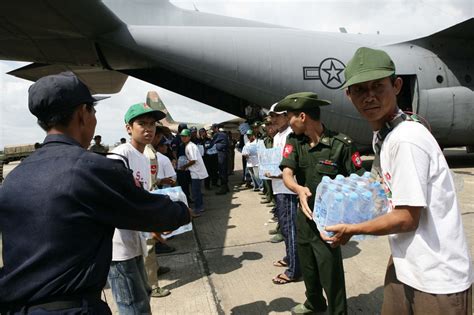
129 284
286 208
197 195
257 182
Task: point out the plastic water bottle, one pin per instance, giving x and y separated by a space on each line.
366 206
335 212
322 207
351 208
321 189
380 204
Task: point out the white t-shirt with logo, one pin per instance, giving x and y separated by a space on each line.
279 141
127 244
435 257
198 169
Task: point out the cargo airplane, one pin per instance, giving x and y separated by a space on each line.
230 63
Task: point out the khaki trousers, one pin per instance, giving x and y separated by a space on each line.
401 299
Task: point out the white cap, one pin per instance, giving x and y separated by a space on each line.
272 110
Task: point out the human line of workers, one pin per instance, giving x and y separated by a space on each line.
105 203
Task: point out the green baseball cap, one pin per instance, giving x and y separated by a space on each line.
185 133
142 109
300 102
249 132
366 65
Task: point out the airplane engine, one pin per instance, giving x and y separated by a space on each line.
450 113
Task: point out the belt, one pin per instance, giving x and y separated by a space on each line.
53 304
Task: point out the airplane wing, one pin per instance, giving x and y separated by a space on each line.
98 80
55 31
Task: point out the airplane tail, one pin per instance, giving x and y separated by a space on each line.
155 102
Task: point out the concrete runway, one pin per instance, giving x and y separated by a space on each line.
225 265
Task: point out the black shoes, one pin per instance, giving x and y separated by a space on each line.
161 248
223 190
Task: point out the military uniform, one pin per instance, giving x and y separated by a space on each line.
321 265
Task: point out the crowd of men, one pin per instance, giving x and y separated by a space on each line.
96 204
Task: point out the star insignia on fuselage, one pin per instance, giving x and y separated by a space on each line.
333 72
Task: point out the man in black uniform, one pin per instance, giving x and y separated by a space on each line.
311 152
221 141
60 206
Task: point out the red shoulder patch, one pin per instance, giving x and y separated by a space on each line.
287 150
356 160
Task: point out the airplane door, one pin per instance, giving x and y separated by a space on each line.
407 99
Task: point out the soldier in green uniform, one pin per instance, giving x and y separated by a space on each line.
311 152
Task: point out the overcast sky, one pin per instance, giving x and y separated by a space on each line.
407 17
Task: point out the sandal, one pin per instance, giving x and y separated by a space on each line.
282 279
280 263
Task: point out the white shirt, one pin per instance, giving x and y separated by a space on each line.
435 258
251 150
165 168
198 169
127 244
279 141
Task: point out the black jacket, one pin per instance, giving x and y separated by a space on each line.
58 211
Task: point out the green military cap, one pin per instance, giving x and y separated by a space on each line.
366 65
141 109
185 133
299 102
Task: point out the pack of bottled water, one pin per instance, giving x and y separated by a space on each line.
352 199
182 161
175 194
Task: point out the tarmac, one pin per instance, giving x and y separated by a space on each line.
225 265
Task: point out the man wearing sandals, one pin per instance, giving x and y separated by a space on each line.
311 152
286 205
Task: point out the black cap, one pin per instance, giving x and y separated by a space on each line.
182 126
57 93
163 140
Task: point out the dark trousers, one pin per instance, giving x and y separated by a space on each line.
184 180
96 308
244 169
268 189
322 268
210 161
286 208
222 166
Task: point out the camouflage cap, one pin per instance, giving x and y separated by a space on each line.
366 65
300 102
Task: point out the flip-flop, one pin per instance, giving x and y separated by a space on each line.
280 279
280 263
